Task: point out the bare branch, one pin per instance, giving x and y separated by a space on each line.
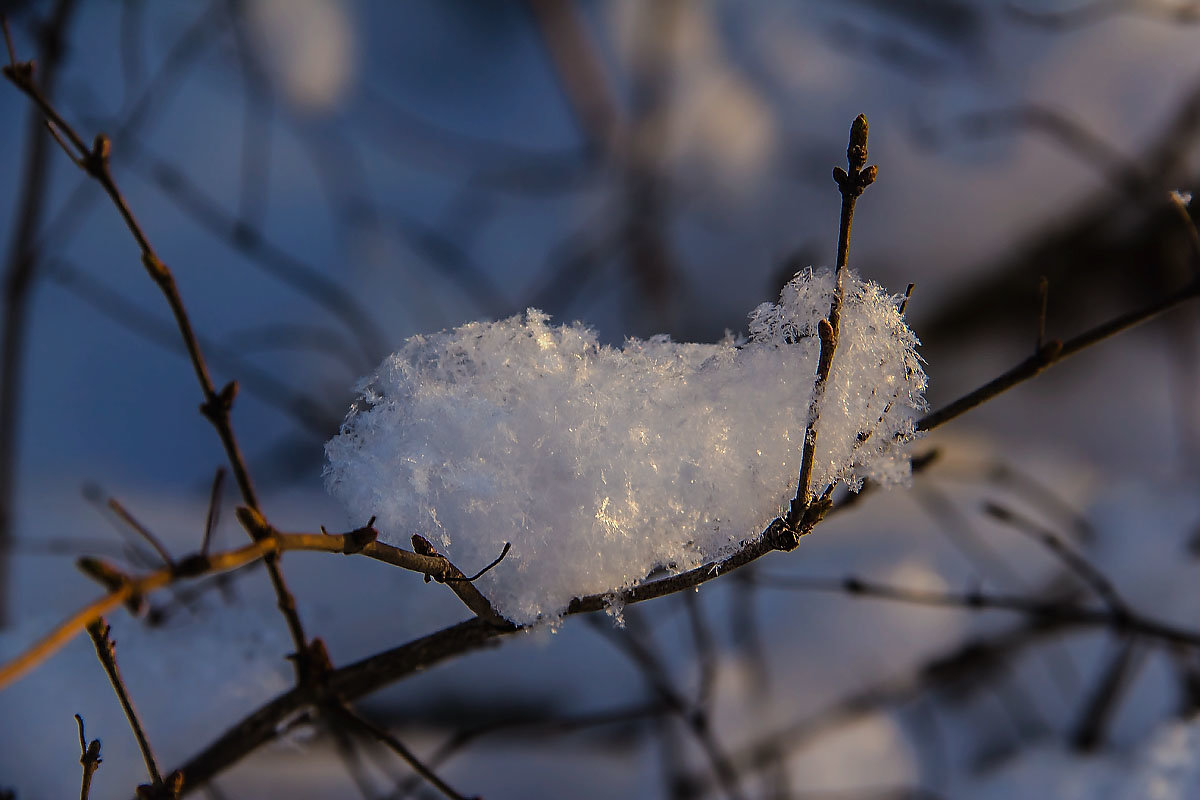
1053 352
459 583
851 185
106 652
1102 701
217 405
366 727
1074 561
89 753
214 510
695 718
268 543
141 530
503 552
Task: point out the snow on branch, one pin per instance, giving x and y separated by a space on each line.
601 464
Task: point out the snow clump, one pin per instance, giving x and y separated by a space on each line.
602 464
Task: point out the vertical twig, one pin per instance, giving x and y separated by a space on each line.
907 294
214 509
89 757
352 760
851 185
1043 299
579 70
1102 702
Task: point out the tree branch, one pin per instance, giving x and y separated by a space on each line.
851 185
1053 352
217 405
89 758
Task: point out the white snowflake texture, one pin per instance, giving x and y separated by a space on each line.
602 464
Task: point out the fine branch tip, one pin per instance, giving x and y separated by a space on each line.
856 152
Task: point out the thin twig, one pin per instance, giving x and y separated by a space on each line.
1053 612
66 148
1103 699
125 516
124 589
712 566
8 42
1043 299
134 550
1053 352
89 753
477 575
368 728
1071 559
695 718
851 185
266 255
106 652
990 568
957 529
302 407
214 510
554 727
1038 493
370 674
458 582
579 70
217 405
351 759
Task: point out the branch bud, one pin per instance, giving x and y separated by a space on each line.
856 152
101 147
254 522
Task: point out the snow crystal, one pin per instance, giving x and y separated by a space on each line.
602 464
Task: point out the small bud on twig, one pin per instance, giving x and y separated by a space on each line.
253 521
856 152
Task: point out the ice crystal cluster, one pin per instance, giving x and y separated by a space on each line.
600 464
